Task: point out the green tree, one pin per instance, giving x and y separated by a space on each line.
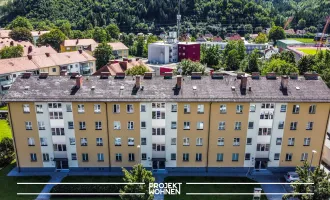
77 34
253 63
258 29
100 35
311 29
20 22
137 175
301 24
6 151
306 64
261 38
140 46
65 27
112 31
103 53
326 76
233 54
232 60
137 70
21 33
280 67
276 33
188 66
210 55
11 52
54 38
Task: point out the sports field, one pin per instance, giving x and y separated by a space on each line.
309 51
303 40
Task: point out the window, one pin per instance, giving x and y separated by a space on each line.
26 108
222 125
186 125
265 131
185 157
173 125
158 115
100 157
198 157
221 141
288 157
251 125
239 109
39 109
130 125
263 147
278 141
200 108
247 156
31 142
283 108
291 142
312 109
116 125
173 141
99 142
68 108
307 141
158 131
280 124
70 125
199 142
85 157
130 142
266 115
309 125
174 108
158 147
73 156
54 105
82 125
117 141
59 147
173 156
33 157
200 125
252 108
143 141
81 108
116 108
45 157
223 109
54 69
248 141
186 108
185 141
293 125
97 108
235 157
129 108
144 156
41 125
276 156
118 157
83 141
267 105
98 125
72 141
28 125
236 142
219 156
131 157
304 156
295 109
55 115
238 125
43 142
143 108
143 125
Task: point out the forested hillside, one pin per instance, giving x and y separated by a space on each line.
215 16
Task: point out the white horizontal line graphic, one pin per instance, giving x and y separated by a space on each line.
80 183
250 183
249 193
80 193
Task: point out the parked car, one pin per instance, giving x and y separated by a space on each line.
291 177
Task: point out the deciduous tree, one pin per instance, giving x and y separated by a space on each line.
280 67
54 38
103 53
21 33
188 66
261 38
112 31
137 70
276 33
20 22
100 35
11 52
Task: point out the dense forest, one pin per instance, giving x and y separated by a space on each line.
198 16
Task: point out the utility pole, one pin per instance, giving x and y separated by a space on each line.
178 17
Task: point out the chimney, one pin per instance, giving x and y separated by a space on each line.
284 82
137 59
123 65
137 81
178 81
243 82
39 33
63 72
47 54
211 71
80 51
255 75
79 81
105 75
77 41
125 59
11 43
26 75
29 57
30 49
311 76
43 75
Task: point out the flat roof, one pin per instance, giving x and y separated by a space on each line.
290 41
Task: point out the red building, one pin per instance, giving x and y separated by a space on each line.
190 51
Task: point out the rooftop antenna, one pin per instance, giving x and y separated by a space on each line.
180 70
178 17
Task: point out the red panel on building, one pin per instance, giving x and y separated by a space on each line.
162 70
190 51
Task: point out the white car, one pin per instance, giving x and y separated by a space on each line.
291 177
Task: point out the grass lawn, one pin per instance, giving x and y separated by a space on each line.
212 188
308 51
9 187
4 108
4 129
90 179
304 40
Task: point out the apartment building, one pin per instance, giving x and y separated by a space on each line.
189 51
213 123
119 50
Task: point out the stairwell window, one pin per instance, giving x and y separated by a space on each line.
283 108
200 125
143 108
31 142
81 108
251 125
72 141
278 141
221 141
143 125
252 108
304 157
291 141
129 108
186 125
296 109
276 156
73 156
39 109
248 141
280 124
45 157
97 108
116 108
143 141
186 141
26 108
309 125
144 156
222 126
130 125
173 141
41 125
293 125
43 142
223 109
238 125
239 109
247 156
312 109
68 108
307 141
173 125
186 109
173 156
174 108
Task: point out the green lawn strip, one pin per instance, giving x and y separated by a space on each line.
304 40
308 51
4 108
9 187
212 188
88 188
4 129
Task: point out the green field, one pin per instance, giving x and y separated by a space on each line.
212 188
4 129
308 51
304 40
4 108
9 187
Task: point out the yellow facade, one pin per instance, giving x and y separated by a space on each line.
67 49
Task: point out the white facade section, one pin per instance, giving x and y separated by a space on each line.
146 133
170 133
162 53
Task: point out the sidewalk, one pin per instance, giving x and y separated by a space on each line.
56 178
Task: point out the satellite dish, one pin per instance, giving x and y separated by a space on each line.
180 71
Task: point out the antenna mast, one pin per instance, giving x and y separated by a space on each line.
178 17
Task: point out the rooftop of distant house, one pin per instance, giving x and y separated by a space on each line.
38 33
5 33
117 46
79 42
196 88
290 41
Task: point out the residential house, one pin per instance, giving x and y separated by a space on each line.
217 39
37 34
290 31
119 50
78 44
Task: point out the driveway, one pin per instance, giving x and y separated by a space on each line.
272 188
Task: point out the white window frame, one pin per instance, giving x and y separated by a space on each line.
238 126
309 126
33 157
291 141
97 108
185 157
173 141
235 157
223 109
199 141
45 157
41 125
173 125
312 109
304 157
249 127
296 109
239 109
186 141
293 126
143 124
31 141
28 125
84 157
99 141
143 108
283 108
116 108
200 108
72 141
130 141
43 141
100 157
131 157
221 141
144 141
68 108
130 108
253 108
199 157
200 125
186 125
280 125
307 141
117 141
130 125
116 125
39 109
81 108
288 157
73 156
83 142
220 157
236 142
247 141
275 156
186 108
174 108
26 108
222 125
98 125
119 157
82 125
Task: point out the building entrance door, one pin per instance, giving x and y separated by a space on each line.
158 164
260 165
60 165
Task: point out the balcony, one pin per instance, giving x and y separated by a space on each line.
58 139
262 154
60 154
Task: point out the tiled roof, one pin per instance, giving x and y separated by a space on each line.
80 42
61 88
16 65
217 39
117 46
5 42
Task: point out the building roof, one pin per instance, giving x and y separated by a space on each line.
290 31
62 88
80 42
290 42
217 39
117 46
5 42
12 65
38 33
